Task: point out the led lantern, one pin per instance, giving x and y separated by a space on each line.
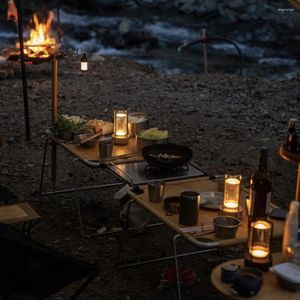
83 63
258 253
231 200
121 135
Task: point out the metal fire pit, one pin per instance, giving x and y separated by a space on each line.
30 60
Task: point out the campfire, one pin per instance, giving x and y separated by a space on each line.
40 44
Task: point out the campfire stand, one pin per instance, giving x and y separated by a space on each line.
209 39
54 117
23 70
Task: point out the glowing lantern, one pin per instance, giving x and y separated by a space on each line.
231 201
259 244
83 63
121 135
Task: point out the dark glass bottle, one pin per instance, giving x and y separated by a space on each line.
260 188
84 63
291 142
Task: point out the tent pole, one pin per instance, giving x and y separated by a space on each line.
23 70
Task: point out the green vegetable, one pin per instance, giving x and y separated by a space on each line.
154 134
67 124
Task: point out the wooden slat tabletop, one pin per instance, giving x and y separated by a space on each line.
205 216
92 154
269 290
16 213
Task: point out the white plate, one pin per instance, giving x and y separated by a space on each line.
211 200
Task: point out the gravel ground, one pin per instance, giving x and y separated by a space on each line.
223 118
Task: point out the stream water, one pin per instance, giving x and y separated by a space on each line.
267 52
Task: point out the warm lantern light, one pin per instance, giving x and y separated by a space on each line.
83 63
231 201
247 202
259 245
120 127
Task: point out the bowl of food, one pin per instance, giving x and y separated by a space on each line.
167 156
66 126
137 122
151 136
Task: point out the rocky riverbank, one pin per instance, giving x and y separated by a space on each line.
223 118
150 31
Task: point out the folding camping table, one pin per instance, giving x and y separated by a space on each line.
196 235
126 165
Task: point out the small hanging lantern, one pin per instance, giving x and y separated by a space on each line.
231 200
83 63
258 253
121 135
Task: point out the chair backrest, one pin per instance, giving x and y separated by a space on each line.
30 268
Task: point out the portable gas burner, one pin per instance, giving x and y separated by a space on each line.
137 173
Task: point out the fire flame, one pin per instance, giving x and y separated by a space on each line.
41 44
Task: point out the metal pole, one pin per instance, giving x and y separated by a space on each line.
204 50
59 31
23 70
54 117
54 89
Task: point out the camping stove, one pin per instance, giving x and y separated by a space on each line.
137 173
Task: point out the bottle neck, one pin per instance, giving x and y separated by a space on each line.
263 162
292 126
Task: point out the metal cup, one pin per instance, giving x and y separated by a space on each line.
156 190
105 148
189 208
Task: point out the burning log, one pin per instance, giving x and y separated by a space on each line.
41 43
40 47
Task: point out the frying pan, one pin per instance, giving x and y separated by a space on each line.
151 155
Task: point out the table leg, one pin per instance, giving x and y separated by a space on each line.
43 165
76 196
53 165
176 265
125 230
77 201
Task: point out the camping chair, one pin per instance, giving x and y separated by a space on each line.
30 270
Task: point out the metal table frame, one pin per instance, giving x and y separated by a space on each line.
187 235
194 234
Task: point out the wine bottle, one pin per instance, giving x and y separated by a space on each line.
291 142
260 188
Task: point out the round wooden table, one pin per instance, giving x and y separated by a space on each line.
269 290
